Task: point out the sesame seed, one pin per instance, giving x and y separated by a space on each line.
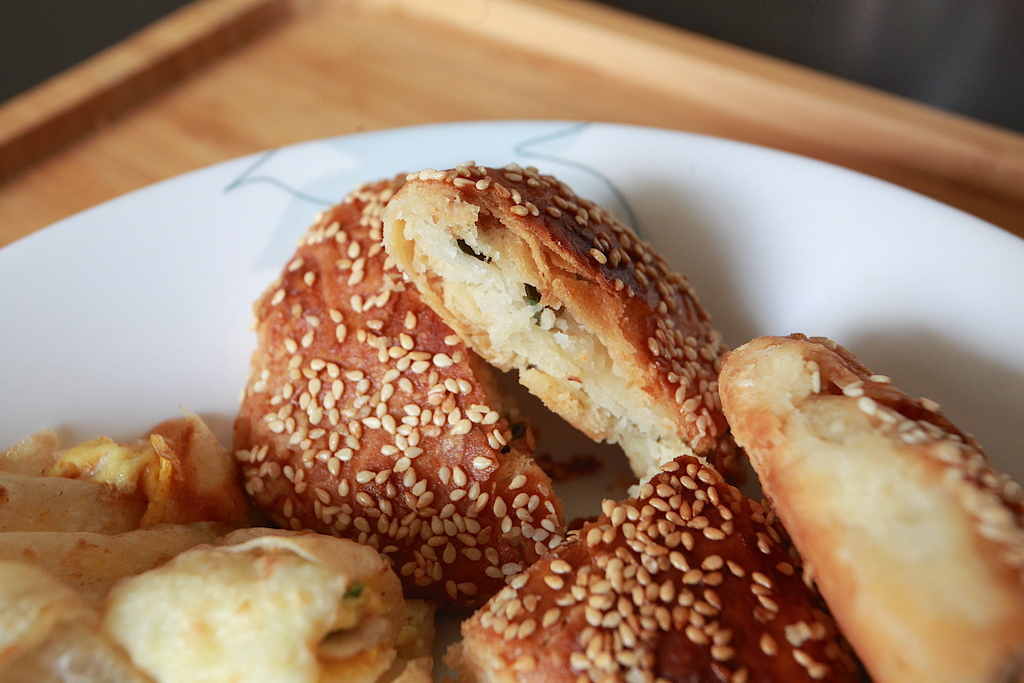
722 653
560 566
696 635
867 405
768 603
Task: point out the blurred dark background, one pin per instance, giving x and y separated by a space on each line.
964 56
40 38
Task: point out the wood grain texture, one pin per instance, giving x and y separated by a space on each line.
760 99
332 67
67 106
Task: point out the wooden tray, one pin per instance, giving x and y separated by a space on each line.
222 78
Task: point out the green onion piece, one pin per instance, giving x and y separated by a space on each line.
532 295
466 249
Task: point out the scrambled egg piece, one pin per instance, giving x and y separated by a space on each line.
146 467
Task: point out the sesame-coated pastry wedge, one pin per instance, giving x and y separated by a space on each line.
916 544
597 325
366 417
688 581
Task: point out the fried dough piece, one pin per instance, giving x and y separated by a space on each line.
283 607
205 484
50 634
916 543
33 455
366 417
180 470
537 279
689 581
35 503
178 474
92 562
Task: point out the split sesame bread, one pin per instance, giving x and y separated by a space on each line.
688 581
537 279
366 417
917 545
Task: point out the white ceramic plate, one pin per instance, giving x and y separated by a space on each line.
112 319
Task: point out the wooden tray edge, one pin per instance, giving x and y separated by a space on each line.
58 111
860 127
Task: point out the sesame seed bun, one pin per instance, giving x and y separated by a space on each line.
366 417
688 581
917 544
539 280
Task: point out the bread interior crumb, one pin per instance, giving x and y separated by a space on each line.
488 280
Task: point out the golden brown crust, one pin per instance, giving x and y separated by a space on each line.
366 417
689 581
916 543
583 273
205 483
